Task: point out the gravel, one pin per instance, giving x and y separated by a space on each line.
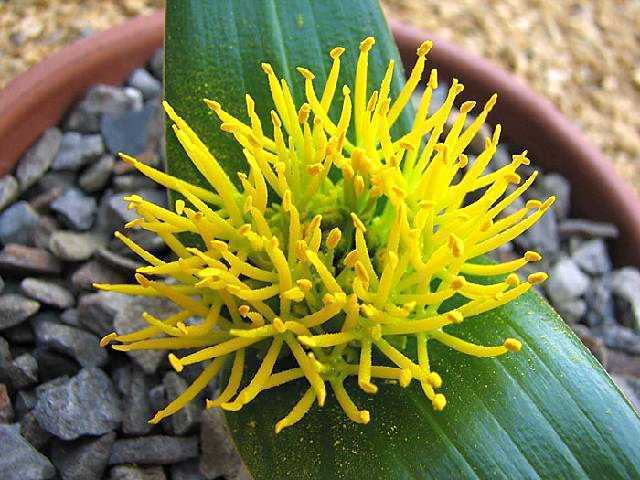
154 449
74 342
146 83
18 223
23 371
8 190
131 472
84 459
47 292
86 404
15 309
97 175
76 150
75 209
73 246
35 163
19 460
21 260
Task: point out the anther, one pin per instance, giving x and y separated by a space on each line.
538 277
531 256
424 48
175 363
434 379
307 74
333 238
512 344
439 402
104 341
367 43
336 52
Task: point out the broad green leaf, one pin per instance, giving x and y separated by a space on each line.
549 411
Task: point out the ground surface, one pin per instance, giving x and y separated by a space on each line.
583 55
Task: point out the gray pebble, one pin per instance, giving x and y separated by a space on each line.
186 419
22 260
76 343
186 471
18 224
118 262
71 317
52 365
77 150
137 409
5 360
572 310
56 180
74 246
96 311
35 163
76 209
600 306
129 132
626 288
94 271
156 63
84 459
86 404
619 338
566 282
8 191
219 454
158 398
25 402
6 408
592 257
23 371
587 228
47 292
81 120
155 450
33 433
106 99
19 460
132 472
20 334
15 309
97 175
146 83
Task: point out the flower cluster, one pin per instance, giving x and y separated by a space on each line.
342 243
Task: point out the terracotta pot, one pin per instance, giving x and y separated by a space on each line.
40 97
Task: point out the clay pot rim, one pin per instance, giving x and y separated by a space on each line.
40 97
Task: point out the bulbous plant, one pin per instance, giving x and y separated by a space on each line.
343 244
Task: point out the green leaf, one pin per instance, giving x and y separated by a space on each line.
549 411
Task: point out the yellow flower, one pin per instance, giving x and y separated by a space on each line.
336 249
